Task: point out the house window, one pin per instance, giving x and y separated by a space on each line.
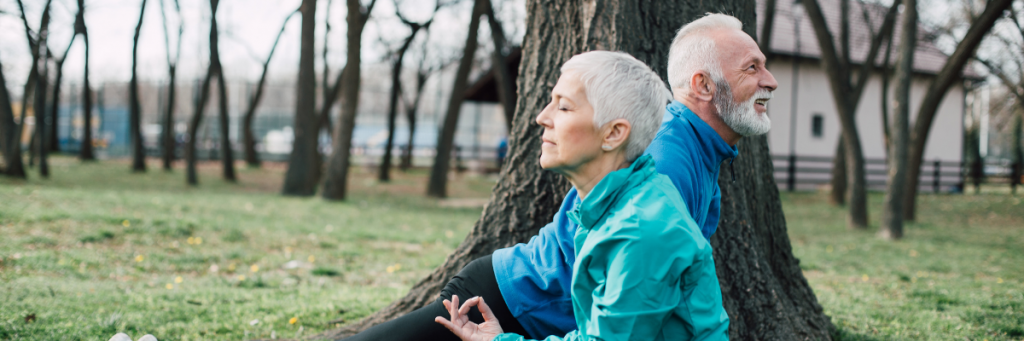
817 125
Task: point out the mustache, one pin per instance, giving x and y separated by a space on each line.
762 94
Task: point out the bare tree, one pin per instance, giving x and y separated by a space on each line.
423 73
847 88
438 183
301 178
213 70
384 172
892 211
1009 69
135 115
336 180
502 78
249 139
85 152
949 74
52 139
167 142
42 70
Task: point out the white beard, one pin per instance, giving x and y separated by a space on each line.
742 117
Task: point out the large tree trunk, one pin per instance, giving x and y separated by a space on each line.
949 74
336 181
764 290
135 116
892 211
300 179
85 152
438 184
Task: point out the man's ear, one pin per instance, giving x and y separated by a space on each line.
616 133
701 86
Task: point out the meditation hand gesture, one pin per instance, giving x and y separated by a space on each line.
465 329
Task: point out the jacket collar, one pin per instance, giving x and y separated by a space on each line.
713 148
591 209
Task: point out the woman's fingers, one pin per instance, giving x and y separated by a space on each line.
453 309
486 311
469 304
448 324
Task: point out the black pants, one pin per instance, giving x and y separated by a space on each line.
476 279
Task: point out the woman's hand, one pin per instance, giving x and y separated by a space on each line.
465 329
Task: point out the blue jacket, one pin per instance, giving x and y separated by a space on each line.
535 278
643 271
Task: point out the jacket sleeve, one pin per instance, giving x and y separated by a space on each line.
571 336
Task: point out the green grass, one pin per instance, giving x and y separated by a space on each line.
956 275
94 250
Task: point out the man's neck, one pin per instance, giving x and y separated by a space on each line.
709 114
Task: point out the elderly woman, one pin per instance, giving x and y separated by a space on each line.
643 270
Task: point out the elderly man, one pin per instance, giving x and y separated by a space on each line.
720 87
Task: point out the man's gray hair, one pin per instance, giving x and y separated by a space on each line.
692 51
620 86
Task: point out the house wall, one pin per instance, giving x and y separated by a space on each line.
814 96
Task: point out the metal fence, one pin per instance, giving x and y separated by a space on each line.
794 172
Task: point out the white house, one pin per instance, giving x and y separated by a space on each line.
803 113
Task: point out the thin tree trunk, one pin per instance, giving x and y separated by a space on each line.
949 74
39 109
10 137
767 29
837 196
85 152
199 101
227 153
503 79
422 76
301 178
384 171
763 288
336 181
438 184
892 210
249 139
857 197
135 116
886 75
1017 150
167 145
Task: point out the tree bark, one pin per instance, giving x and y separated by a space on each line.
950 73
300 178
438 184
85 151
763 289
135 115
892 210
336 181
227 153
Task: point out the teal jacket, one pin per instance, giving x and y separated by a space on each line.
643 270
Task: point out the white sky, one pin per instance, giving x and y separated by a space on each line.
245 25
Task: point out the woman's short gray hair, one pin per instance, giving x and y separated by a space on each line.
620 86
692 52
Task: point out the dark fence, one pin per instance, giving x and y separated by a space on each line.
794 172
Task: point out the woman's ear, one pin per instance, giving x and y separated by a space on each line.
701 86
616 133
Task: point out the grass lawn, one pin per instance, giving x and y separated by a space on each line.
95 250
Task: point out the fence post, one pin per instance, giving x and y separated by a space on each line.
937 176
791 173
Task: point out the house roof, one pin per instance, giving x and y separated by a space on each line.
928 59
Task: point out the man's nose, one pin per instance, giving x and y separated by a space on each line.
768 81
